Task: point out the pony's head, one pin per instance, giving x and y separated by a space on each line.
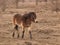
33 16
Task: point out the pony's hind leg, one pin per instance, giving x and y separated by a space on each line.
16 28
13 33
18 33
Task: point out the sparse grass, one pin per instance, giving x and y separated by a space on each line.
45 32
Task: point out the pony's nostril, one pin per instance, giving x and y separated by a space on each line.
36 21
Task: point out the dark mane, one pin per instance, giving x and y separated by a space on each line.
33 14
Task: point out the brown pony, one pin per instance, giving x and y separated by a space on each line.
25 21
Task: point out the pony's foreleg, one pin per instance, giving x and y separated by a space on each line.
23 31
29 29
30 34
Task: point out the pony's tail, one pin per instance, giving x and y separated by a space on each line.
16 27
14 20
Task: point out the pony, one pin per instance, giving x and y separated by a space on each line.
25 21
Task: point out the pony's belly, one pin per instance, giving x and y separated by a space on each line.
27 25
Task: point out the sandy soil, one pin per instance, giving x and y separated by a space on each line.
45 32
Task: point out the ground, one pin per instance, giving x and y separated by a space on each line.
45 32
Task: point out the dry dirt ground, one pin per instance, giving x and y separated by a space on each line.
45 32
